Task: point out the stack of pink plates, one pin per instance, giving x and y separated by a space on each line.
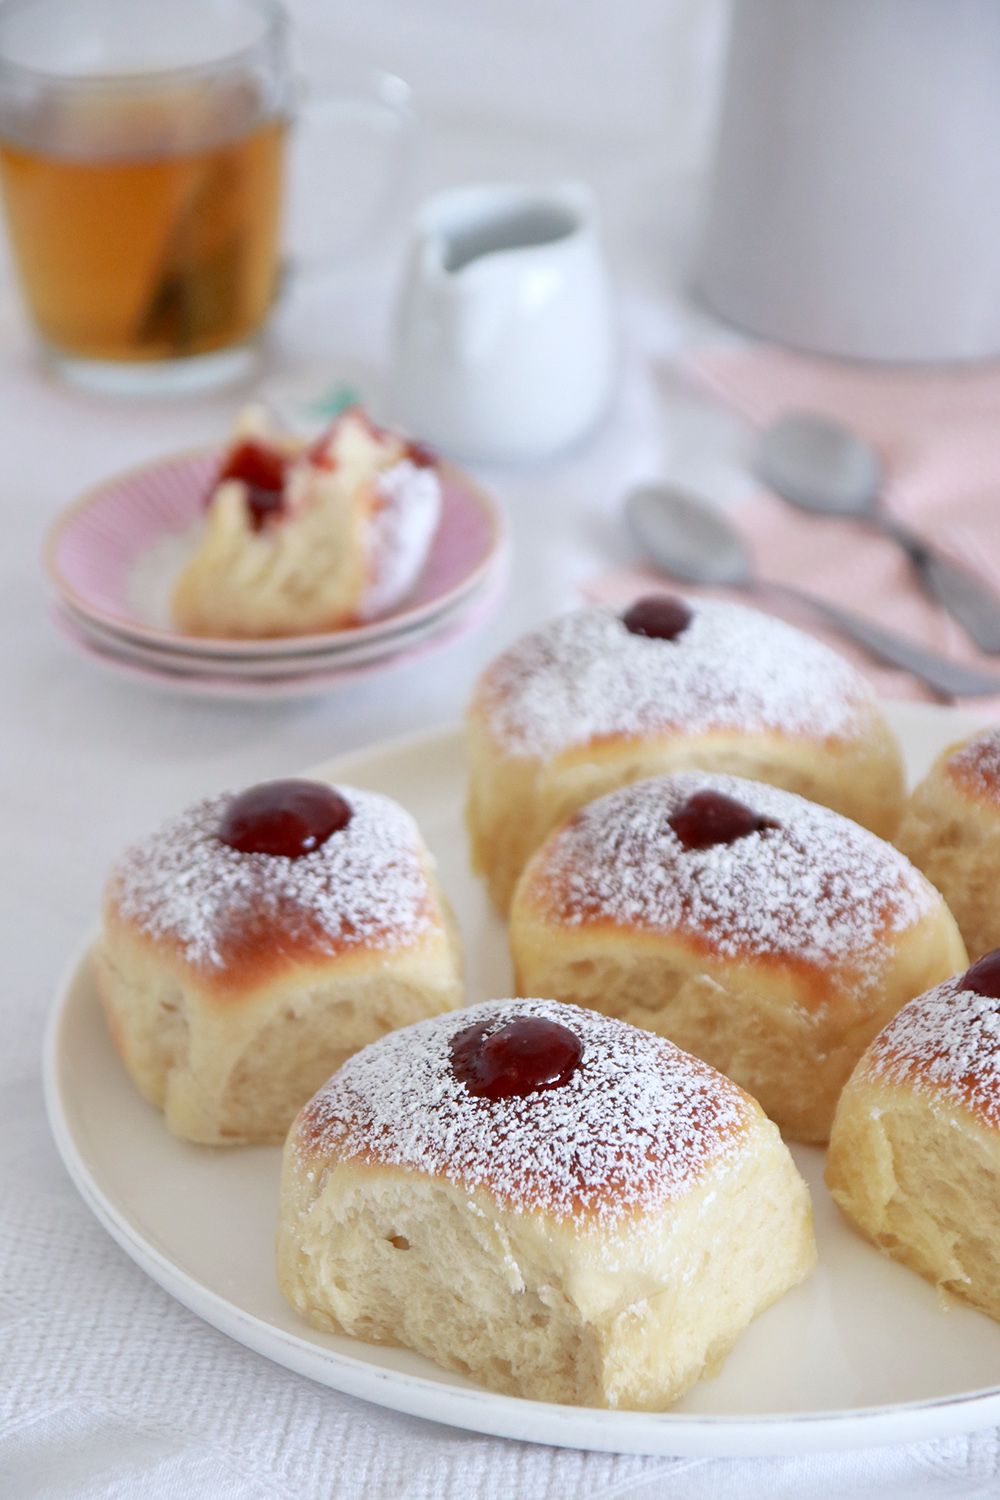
112 558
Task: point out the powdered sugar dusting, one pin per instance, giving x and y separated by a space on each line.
977 763
404 519
583 676
365 886
633 1129
945 1042
817 888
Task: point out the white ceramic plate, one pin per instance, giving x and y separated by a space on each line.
863 1353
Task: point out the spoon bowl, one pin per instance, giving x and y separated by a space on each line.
690 540
820 466
685 537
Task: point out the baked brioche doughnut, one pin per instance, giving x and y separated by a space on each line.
915 1151
552 1202
256 941
309 539
951 831
766 934
587 704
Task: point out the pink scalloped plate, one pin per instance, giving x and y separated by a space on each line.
209 682
108 557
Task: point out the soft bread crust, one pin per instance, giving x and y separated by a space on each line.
627 1312
234 1070
230 1049
349 547
914 1157
516 798
951 831
788 1025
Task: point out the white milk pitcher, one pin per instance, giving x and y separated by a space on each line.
504 341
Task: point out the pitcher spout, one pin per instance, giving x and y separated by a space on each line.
475 247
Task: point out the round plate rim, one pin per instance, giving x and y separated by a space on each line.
345 658
382 642
270 645
311 682
480 1410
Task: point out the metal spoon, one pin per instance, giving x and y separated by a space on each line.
692 541
823 467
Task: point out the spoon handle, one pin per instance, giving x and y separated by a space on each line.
948 678
967 598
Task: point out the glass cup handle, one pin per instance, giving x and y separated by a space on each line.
313 245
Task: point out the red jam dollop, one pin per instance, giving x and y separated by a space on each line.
288 818
521 1057
983 977
262 505
661 617
262 469
322 451
420 456
708 818
321 454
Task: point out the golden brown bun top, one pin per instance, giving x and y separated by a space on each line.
973 767
237 918
813 890
584 679
636 1125
946 1045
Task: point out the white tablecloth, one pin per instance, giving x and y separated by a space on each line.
107 1387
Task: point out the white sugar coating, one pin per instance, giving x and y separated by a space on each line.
633 1128
365 885
584 676
402 528
817 888
946 1042
977 762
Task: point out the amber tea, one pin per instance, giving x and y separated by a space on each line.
134 243
142 149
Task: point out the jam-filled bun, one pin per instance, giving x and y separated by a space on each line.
300 539
915 1152
552 1202
764 933
951 830
257 940
596 699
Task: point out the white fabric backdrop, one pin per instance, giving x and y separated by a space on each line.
107 1388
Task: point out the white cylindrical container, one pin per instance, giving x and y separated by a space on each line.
854 204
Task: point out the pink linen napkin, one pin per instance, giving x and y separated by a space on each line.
939 437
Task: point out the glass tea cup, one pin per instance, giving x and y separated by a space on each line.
142 163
